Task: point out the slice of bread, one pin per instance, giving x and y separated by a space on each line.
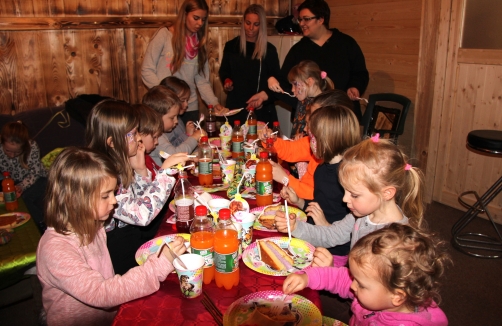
274 256
8 220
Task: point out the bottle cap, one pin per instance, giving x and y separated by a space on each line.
237 122
6 173
270 140
251 109
203 139
263 154
275 123
210 106
224 214
201 210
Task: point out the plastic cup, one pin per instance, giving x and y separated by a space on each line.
238 227
248 151
218 203
225 142
246 220
191 278
227 171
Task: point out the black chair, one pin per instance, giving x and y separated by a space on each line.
393 117
484 142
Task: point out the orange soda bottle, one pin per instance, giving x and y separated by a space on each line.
9 192
253 125
205 162
237 140
264 181
226 252
202 241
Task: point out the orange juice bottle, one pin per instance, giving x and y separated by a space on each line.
264 181
252 124
202 241
205 162
237 140
226 252
9 192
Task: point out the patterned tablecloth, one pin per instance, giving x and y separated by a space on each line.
168 307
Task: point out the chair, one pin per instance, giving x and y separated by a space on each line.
485 142
385 120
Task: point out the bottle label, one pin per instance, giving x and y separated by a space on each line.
226 263
252 130
9 197
264 188
237 147
184 210
207 254
211 126
205 167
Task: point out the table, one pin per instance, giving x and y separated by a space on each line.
19 254
167 306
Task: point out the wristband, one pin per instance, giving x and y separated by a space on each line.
285 181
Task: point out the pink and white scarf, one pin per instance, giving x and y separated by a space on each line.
191 46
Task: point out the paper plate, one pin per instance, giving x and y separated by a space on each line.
303 254
172 207
328 321
21 218
151 247
300 215
212 188
255 308
216 141
252 195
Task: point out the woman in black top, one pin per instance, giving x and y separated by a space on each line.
248 61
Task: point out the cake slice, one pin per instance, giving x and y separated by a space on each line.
267 217
274 256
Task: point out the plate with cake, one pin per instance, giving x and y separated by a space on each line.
265 216
272 308
271 256
13 220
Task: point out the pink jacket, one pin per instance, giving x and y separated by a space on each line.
79 286
338 280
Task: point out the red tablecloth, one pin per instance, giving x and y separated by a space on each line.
168 307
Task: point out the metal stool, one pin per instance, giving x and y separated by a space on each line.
488 142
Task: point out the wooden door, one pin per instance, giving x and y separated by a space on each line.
468 97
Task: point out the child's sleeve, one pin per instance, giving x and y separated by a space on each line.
35 167
333 279
336 234
293 150
165 145
142 201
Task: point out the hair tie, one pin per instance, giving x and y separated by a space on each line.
375 138
407 167
323 74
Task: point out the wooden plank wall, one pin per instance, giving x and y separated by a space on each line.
54 50
388 32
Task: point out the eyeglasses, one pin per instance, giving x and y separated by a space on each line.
306 19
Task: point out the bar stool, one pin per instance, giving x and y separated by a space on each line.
486 142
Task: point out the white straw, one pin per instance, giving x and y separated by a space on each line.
287 219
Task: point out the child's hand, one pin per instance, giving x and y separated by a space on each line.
175 159
190 128
177 245
294 283
197 134
138 161
264 133
290 195
278 172
281 224
322 258
315 211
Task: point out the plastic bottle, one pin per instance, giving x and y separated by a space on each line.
202 241
205 162
9 192
253 125
211 123
276 128
272 153
237 140
183 199
264 181
226 252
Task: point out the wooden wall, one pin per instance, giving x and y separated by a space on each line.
53 50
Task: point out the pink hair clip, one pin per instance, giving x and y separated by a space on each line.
407 167
375 138
323 74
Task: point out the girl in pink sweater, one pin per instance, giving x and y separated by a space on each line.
393 278
79 286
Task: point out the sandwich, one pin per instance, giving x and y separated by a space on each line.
274 256
265 315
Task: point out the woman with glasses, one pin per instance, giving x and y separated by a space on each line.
20 156
248 61
336 53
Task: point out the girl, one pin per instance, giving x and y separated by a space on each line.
380 188
248 61
112 129
181 51
332 130
21 157
79 286
299 150
308 81
393 278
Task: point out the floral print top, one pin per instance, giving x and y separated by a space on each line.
22 177
142 201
